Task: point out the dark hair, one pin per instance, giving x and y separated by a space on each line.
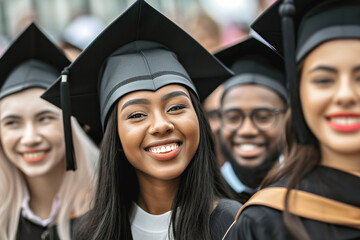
299 160
200 185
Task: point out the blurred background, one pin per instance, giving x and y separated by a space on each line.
214 23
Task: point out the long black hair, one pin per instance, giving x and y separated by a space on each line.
201 184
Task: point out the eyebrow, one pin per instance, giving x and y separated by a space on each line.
135 101
145 101
324 68
13 116
174 94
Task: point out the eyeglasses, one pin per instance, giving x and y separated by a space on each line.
262 118
213 114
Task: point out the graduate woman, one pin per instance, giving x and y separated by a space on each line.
158 175
322 160
38 197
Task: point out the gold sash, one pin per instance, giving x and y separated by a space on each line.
307 205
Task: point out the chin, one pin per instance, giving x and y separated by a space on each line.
250 162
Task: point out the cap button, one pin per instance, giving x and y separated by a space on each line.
287 8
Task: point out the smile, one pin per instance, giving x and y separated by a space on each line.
164 148
34 156
164 152
348 123
249 150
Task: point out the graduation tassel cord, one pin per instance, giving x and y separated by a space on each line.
66 109
286 11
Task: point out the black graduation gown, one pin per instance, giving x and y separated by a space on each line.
222 217
260 222
28 230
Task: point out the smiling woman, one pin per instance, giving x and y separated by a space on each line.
312 194
39 199
158 176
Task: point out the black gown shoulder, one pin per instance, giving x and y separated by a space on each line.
222 217
28 230
260 222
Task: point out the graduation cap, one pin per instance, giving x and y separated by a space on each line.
254 63
140 50
295 28
31 61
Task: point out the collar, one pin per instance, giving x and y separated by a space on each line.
228 173
29 214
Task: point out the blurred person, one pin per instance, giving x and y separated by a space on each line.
79 33
205 30
314 193
39 199
253 106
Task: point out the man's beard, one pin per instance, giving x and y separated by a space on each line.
250 176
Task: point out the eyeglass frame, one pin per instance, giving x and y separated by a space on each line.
250 114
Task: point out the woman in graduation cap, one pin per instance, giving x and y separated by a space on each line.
314 195
38 197
158 176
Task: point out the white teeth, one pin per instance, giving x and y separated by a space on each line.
164 149
345 120
33 155
248 147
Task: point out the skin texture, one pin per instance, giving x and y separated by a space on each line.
212 102
247 98
152 122
330 84
30 124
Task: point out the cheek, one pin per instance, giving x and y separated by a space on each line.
130 138
314 103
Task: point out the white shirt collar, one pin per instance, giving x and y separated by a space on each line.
28 213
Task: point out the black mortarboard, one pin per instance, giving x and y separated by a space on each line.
31 61
295 28
140 50
254 63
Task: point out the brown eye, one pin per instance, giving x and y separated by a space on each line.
176 107
136 115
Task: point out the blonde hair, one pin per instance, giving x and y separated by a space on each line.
75 192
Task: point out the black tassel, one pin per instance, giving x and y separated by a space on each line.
299 128
66 109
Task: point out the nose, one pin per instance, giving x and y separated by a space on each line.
31 137
247 128
346 94
160 124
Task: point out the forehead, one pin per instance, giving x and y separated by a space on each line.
26 101
251 96
339 52
150 95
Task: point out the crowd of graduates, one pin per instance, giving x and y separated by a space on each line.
144 134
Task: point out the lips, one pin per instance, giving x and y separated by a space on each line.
344 122
34 156
164 152
249 150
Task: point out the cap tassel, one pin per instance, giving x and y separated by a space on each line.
66 109
286 11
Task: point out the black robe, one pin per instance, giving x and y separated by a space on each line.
28 230
222 217
260 222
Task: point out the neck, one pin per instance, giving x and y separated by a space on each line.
156 196
341 161
43 189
